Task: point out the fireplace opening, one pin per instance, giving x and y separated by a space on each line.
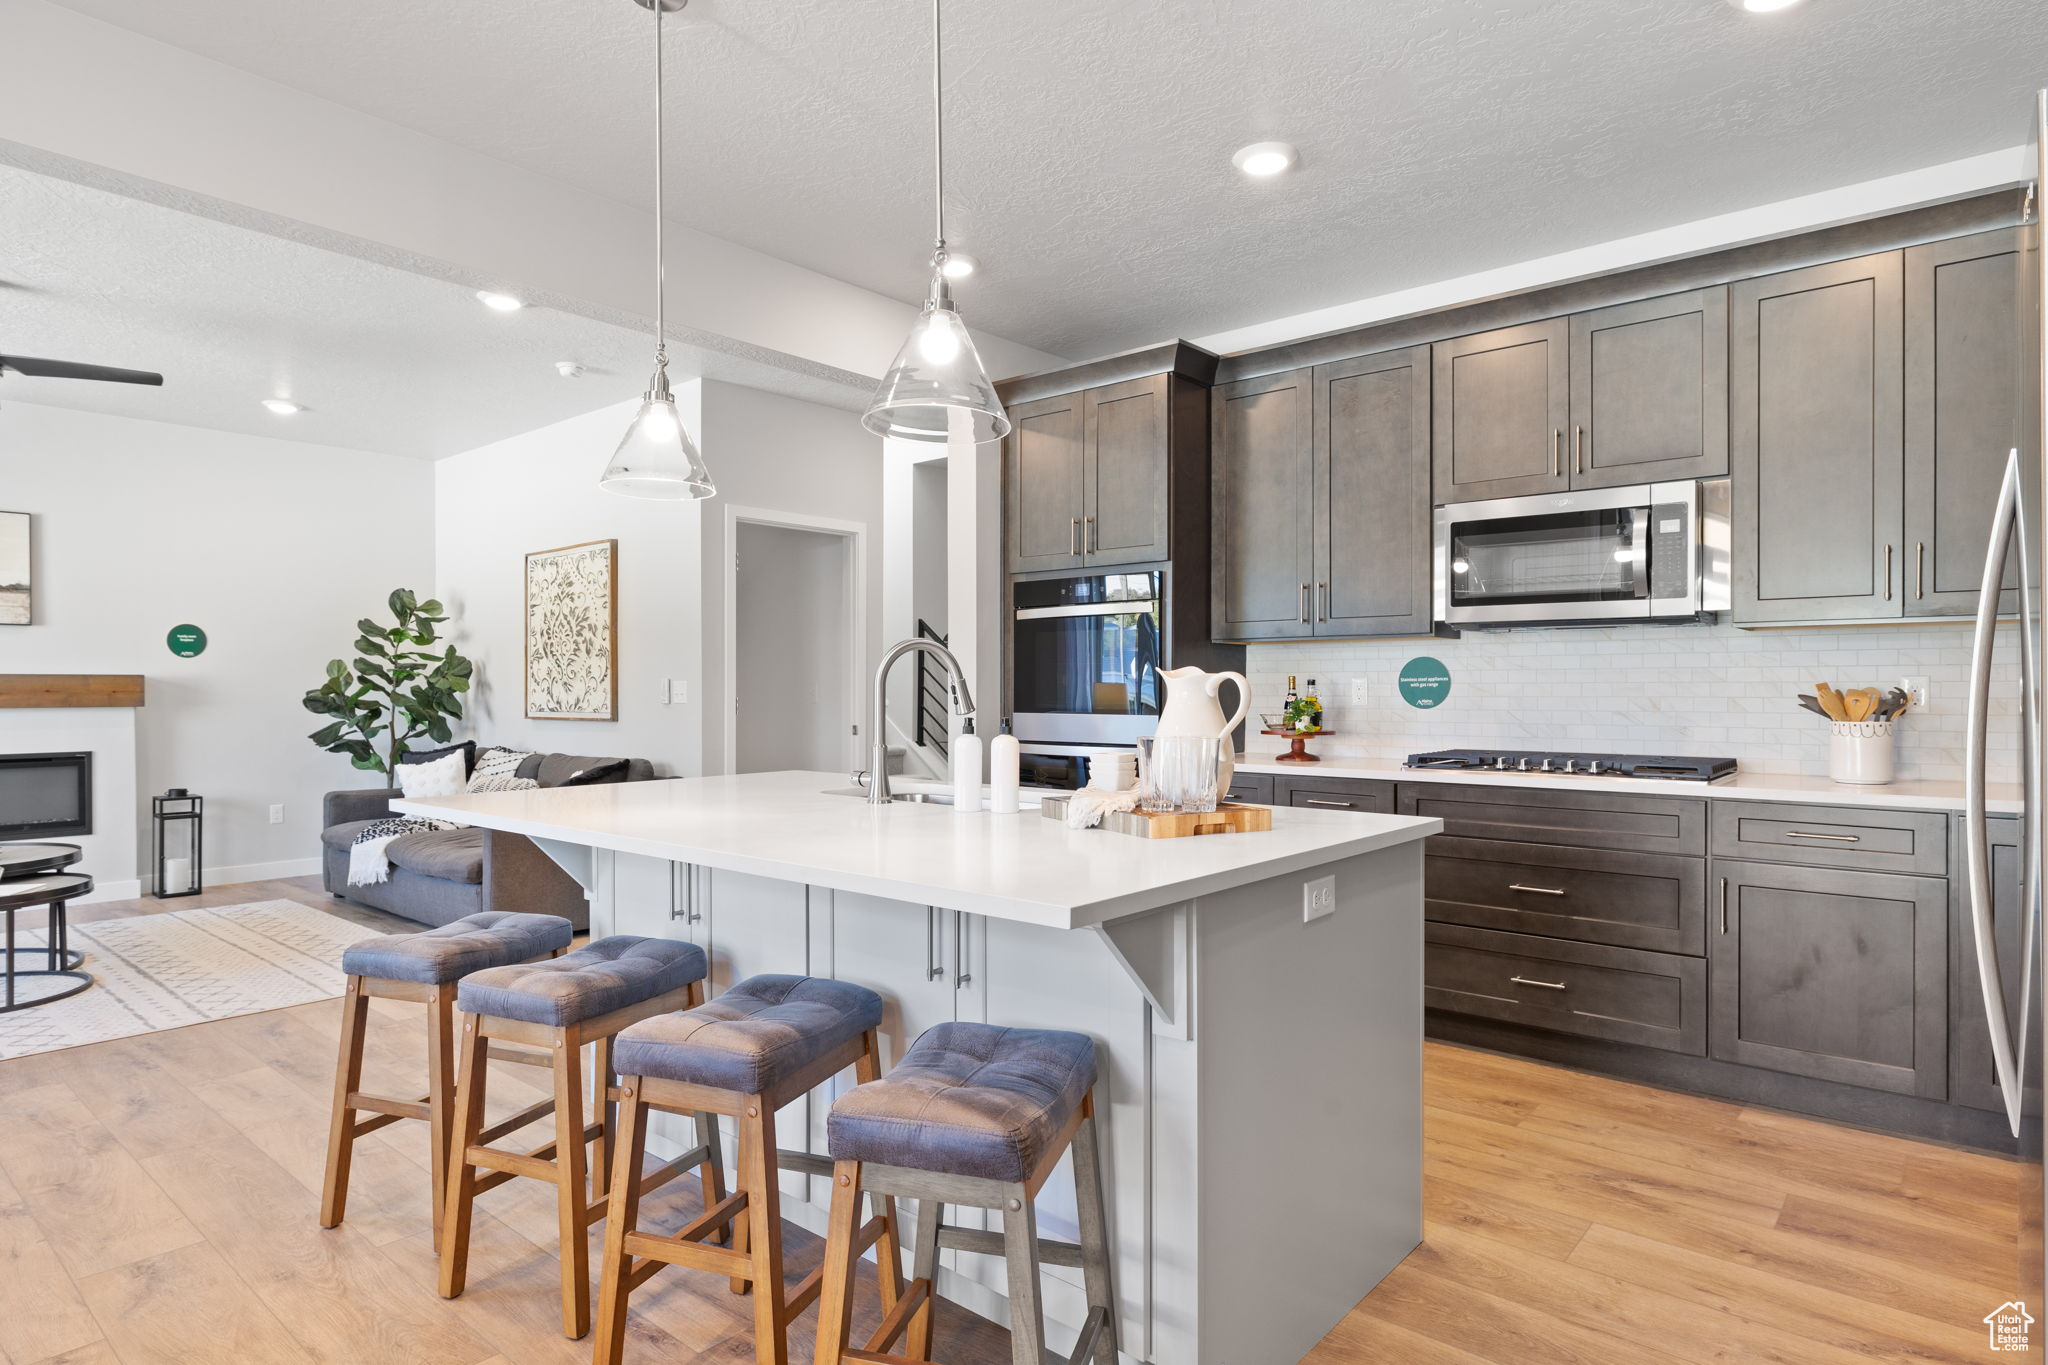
45 795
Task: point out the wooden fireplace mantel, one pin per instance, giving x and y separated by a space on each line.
70 689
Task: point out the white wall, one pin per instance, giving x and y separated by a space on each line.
275 548
791 650
539 490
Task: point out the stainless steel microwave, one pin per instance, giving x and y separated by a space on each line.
1648 552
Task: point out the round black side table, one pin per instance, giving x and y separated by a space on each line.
32 860
54 890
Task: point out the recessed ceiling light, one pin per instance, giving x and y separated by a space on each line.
1762 6
503 303
283 407
1265 158
959 265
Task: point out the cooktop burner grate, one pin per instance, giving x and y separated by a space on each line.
1576 763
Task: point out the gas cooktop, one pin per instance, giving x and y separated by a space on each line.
1574 764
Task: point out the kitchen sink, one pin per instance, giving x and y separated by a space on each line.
1027 800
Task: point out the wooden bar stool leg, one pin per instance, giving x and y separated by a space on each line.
1094 1223
889 1246
453 1237
835 1290
742 1238
348 1078
1020 1251
440 1092
629 1154
571 1182
924 1265
711 1175
604 1112
759 1178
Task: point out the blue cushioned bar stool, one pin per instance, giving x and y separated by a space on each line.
563 1005
748 1053
978 1116
422 968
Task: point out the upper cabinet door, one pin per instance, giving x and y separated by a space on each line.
1962 413
1125 472
1650 391
1817 441
1371 505
1502 406
1044 455
1262 561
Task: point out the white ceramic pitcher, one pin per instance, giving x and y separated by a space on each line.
1192 709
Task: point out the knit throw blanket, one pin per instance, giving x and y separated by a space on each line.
367 864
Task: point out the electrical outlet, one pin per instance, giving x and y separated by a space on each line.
678 691
1358 691
1916 689
277 815
1318 899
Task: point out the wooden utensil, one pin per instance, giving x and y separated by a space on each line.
1830 702
1860 703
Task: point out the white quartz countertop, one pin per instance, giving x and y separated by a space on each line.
1021 867
2004 799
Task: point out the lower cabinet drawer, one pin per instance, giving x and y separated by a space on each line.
1360 794
1622 994
1256 788
1630 900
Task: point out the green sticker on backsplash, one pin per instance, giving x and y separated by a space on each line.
186 641
1425 682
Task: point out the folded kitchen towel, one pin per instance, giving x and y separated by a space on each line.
1087 806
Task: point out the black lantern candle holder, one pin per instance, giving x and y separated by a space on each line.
175 809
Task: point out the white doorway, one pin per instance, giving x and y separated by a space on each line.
793 612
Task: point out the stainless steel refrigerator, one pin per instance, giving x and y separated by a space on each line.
2011 964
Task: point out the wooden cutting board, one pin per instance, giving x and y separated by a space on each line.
1231 817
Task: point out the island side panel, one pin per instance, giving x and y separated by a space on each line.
1308 1046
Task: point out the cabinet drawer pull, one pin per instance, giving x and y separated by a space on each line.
1557 452
1304 604
1074 536
1831 838
1093 540
1724 905
1535 890
1578 450
1887 573
1920 568
1322 601
1318 801
1546 985
933 969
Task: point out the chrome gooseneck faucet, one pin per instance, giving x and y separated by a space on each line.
878 753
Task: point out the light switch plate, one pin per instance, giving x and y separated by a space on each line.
277 815
678 691
1318 899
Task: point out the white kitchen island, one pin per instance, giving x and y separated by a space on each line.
1260 1071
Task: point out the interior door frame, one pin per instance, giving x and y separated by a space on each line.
853 536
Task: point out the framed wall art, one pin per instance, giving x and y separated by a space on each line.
17 601
572 632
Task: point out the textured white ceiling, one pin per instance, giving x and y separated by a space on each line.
1090 141
381 358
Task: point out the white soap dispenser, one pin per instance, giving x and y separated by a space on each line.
1004 764
966 769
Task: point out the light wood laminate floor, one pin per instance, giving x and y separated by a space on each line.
158 1199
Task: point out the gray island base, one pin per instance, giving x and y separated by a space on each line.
1261 1071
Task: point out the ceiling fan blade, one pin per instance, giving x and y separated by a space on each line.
71 369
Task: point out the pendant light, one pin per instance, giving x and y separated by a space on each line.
657 458
937 387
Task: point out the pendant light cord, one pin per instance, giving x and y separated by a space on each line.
938 136
660 266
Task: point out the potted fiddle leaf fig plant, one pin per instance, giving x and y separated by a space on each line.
399 689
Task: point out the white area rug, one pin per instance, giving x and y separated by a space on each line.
184 967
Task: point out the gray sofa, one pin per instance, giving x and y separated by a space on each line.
443 875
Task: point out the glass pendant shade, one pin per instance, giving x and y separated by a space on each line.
657 458
937 388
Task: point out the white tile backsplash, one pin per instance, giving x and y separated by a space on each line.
1705 690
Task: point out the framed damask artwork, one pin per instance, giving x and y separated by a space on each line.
572 632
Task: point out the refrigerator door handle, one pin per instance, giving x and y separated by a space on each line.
2031 772
1976 814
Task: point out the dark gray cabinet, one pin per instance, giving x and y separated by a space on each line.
1363 795
1629 900
1842 976
1623 994
1817 441
1574 819
1370 514
1962 412
1262 548
1972 1077
1502 403
1320 525
1649 384
1859 838
1253 788
1088 477
1043 453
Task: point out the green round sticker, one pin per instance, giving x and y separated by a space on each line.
186 641
1425 682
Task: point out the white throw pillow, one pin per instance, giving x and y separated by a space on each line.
442 777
